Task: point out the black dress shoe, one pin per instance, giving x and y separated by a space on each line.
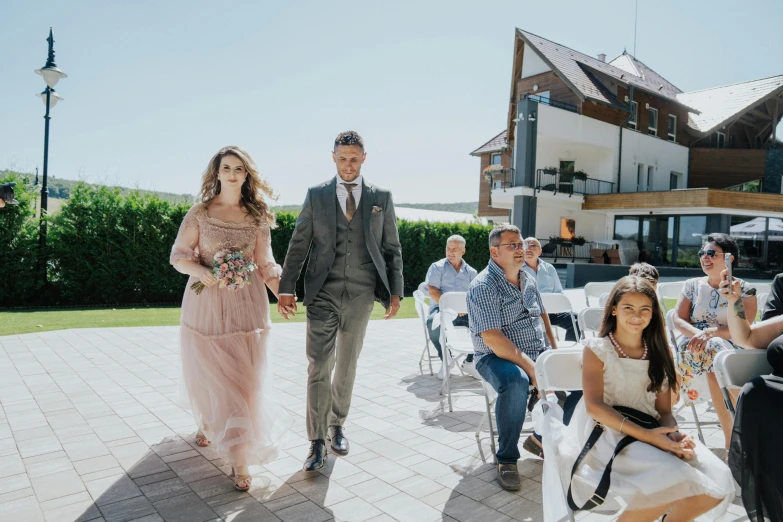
317 457
339 442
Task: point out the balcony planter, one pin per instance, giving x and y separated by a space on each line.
491 170
550 170
580 175
557 240
578 240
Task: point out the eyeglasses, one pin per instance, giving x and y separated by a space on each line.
709 253
516 246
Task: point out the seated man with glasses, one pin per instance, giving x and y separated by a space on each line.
702 318
548 283
506 315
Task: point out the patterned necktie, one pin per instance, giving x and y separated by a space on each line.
350 203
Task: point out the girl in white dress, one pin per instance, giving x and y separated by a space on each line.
663 471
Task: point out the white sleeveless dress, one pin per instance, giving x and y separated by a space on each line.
643 476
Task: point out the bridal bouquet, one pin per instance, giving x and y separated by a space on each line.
231 270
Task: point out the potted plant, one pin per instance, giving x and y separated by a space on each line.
490 171
580 174
578 240
550 170
557 240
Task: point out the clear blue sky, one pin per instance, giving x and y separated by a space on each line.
155 88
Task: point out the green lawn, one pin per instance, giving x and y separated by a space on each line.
14 323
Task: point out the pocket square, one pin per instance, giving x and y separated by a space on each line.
376 209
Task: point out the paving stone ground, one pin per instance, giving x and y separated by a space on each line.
90 431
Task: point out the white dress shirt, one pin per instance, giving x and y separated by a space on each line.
342 192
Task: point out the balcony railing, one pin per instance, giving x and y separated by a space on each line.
500 178
566 250
549 101
569 183
757 185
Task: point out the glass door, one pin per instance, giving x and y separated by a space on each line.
657 240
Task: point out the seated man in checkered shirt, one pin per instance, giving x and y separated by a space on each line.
506 315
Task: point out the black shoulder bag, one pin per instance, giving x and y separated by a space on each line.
599 497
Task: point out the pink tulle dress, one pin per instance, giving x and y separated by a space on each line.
226 379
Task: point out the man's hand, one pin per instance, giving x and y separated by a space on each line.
286 305
394 307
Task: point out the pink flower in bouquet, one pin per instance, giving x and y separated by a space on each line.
218 258
238 280
230 268
223 267
229 275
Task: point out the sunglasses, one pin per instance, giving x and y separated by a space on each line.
516 246
709 253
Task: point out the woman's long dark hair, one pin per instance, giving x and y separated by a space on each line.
661 371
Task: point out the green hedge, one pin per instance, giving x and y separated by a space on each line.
106 248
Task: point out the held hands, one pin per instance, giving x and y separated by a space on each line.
698 342
670 439
286 305
207 279
394 307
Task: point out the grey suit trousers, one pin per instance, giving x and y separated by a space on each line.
335 334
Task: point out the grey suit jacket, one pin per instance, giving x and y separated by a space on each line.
316 231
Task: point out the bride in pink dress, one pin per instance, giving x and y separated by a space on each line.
225 333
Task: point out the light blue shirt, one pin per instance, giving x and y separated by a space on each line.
546 278
442 276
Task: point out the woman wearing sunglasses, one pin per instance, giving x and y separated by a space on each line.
702 318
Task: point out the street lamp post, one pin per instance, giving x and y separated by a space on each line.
51 75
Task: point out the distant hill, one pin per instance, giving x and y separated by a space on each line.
470 207
60 188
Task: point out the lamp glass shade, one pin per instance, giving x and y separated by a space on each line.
51 75
53 98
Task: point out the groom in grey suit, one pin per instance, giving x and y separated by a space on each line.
350 231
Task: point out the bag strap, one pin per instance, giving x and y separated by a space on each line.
599 497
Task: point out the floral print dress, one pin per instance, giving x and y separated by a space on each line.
709 309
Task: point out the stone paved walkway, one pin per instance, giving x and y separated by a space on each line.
89 431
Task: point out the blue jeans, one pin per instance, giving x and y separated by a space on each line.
461 320
512 386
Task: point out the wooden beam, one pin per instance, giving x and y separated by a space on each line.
763 129
775 120
760 115
747 135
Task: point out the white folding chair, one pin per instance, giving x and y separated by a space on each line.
735 368
761 288
590 319
602 300
557 304
761 299
673 338
454 340
559 370
420 298
490 397
669 291
596 290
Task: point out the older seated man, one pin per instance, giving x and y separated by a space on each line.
450 274
548 282
506 316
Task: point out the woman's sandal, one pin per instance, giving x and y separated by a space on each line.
241 482
533 448
201 440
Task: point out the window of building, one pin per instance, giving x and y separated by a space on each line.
672 127
634 115
692 231
495 159
674 180
543 95
640 185
750 233
650 177
626 227
567 166
652 121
